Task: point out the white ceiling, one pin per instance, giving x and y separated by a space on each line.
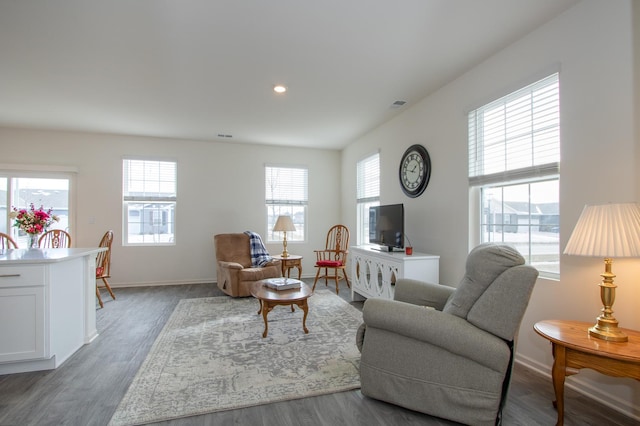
195 69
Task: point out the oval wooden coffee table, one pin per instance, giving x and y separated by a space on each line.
270 298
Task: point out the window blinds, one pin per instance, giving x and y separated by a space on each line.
146 180
286 185
368 179
517 136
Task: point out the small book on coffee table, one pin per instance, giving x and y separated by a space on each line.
282 283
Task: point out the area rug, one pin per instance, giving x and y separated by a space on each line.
211 356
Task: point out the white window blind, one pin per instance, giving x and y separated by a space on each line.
286 185
368 179
517 136
146 180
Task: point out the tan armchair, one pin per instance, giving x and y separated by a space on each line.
235 272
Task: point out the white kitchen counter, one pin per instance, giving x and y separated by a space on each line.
47 306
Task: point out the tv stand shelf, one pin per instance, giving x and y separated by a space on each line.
374 272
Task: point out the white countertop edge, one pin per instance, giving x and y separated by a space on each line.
24 256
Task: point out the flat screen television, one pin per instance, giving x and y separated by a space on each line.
386 226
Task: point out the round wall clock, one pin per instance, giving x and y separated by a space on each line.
415 170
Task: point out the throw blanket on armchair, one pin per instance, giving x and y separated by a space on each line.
259 254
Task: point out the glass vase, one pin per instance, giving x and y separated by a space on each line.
33 241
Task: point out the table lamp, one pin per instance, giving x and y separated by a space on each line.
607 231
284 224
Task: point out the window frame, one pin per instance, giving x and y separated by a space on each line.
163 203
367 194
286 202
538 162
11 172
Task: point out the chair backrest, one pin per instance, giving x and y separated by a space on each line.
6 242
55 238
103 260
233 248
495 290
338 241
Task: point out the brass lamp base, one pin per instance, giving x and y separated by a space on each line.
607 326
606 331
284 253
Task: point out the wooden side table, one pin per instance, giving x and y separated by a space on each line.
291 261
574 349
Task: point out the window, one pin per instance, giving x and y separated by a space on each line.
286 193
149 201
368 194
514 157
20 189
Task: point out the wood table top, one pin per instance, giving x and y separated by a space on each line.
262 292
575 335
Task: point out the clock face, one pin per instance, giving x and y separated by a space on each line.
415 170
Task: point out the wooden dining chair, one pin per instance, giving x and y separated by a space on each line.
6 242
333 259
55 238
103 266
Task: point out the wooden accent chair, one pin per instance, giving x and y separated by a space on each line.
103 266
6 242
334 256
55 238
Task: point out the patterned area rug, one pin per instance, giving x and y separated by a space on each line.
211 356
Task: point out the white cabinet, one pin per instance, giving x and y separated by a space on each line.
47 306
22 307
374 273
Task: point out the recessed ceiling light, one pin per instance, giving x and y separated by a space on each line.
279 88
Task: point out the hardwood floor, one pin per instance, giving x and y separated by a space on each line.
87 388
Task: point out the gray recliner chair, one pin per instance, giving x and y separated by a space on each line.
446 351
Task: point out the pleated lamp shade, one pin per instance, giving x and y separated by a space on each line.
606 230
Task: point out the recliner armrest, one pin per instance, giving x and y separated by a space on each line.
437 328
230 265
422 293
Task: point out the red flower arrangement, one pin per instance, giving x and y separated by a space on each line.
33 221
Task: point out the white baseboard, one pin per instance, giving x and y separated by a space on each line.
584 388
162 283
212 281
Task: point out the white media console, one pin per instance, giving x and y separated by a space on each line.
374 273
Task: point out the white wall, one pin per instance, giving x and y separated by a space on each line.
220 189
591 45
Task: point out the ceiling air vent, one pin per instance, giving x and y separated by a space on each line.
224 135
398 104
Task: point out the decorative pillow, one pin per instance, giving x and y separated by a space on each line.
485 263
99 271
329 263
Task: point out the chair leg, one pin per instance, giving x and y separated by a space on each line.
336 276
106 284
316 280
99 298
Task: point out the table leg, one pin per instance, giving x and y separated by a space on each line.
305 308
558 374
265 311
